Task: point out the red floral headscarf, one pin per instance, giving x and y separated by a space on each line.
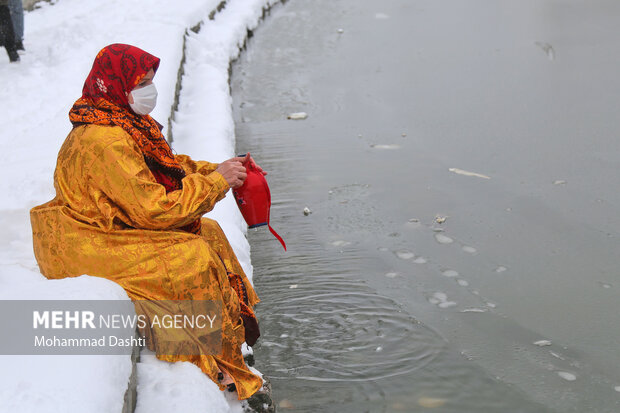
116 71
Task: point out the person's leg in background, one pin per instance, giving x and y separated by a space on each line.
16 8
7 33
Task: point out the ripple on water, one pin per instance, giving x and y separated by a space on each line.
352 210
320 325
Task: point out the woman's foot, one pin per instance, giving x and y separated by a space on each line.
261 401
225 378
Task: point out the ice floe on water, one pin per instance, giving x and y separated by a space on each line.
392 274
557 356
385 146
297 116
404 254
450 273
469 250
474 310
443 239
440 299
420 260
463 283
617 388
340 243
468 173
567 376
501 269
542 343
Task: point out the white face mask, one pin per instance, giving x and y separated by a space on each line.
144 99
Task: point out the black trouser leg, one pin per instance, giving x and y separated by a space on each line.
8 33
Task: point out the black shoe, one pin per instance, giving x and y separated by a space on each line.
19 45
261 401
13 56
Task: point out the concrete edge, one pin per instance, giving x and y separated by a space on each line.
131 394
177 88
262 401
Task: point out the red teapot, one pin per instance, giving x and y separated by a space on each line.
254 199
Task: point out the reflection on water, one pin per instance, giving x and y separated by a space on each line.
330 342
409 283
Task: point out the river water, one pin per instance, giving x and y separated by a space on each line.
413 284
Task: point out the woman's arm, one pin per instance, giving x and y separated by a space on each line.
195 167
205 168
121 173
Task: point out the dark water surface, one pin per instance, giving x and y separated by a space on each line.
381 305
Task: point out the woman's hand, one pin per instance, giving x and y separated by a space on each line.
233 171
248 158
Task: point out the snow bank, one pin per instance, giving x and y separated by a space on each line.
204 125
60 384
61 40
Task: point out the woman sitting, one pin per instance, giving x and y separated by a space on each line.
129 210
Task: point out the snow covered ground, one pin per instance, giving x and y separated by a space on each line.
61 42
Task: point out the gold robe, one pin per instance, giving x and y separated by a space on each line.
111 219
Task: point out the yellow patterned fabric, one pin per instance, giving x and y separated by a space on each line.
111 219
